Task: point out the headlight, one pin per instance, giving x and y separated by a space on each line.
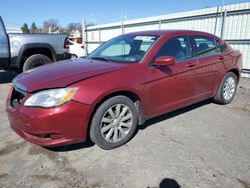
51 98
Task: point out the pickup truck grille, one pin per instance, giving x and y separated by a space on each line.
17 97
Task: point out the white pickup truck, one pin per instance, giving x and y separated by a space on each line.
26 51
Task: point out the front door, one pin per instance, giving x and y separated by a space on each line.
172 87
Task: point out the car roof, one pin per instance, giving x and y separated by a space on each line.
173 32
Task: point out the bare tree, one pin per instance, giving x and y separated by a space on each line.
74 26
51 24
45 27
63 30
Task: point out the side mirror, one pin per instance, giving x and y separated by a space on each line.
164 61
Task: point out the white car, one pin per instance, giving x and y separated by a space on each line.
76 49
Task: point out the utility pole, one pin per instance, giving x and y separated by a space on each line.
122 26
222 18
222 3
216 20
124 17
84 37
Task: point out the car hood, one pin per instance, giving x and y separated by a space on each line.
62 74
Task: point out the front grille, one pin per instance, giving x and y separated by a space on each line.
16 97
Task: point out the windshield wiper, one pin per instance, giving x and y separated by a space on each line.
101 58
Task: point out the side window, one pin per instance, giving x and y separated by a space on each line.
177 47
206 46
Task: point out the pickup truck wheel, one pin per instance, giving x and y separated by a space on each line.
35 61
114 122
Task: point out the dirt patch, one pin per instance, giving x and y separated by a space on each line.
176 141
4 175
54 156
72 171
243 183
46 177
81 181
12 146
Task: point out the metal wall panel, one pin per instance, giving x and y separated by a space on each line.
141 28
207 24
245 49
93 36
110 33
238 27
92 47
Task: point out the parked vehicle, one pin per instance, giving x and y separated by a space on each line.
26 51
123 83
76 48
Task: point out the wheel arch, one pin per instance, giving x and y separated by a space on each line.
131 95
28 50
233 70
236 72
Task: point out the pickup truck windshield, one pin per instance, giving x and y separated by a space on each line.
124 48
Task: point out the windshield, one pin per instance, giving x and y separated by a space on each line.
124 48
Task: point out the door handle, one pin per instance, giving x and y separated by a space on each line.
191 64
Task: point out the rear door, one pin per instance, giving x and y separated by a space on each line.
208 55
4 45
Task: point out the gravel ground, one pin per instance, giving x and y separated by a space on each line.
204 145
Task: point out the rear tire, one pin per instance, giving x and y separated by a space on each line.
73 56
114 122
35 61
227 89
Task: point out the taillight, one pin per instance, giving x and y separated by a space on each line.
66 43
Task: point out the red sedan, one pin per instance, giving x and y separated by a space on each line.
124 82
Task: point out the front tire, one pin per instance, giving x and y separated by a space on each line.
35 61
114 122
227 89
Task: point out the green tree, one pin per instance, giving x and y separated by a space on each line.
25 28
33 28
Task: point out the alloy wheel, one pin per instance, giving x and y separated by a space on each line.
116 123
229 88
